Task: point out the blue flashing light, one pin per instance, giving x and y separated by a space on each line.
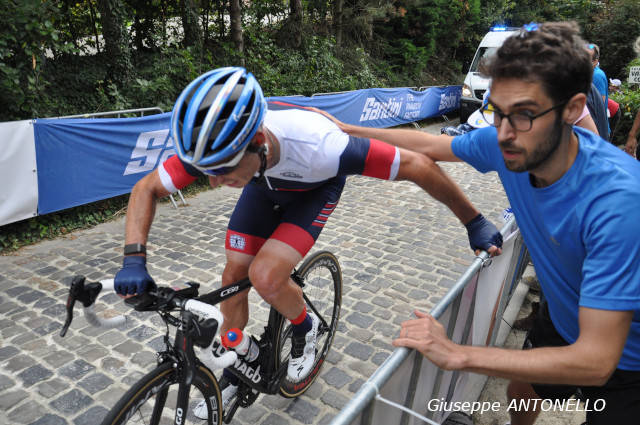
498 28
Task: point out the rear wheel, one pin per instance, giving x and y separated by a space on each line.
152 400
322 280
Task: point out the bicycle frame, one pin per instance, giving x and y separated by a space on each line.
197 325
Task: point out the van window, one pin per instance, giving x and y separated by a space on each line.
480 54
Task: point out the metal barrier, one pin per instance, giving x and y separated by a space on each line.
118 114
362 404
330 93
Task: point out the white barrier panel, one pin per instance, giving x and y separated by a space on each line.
18 173
472 318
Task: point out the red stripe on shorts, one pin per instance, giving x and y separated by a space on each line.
241 242
294 236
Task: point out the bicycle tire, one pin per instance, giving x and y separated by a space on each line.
134 406
322 279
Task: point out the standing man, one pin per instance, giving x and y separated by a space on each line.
576 198
600 80
292 166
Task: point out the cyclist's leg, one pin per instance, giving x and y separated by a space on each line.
269 273
252 222
304 215
236 308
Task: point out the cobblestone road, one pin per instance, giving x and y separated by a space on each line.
399 249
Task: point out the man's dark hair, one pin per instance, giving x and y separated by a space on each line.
552 53
594 50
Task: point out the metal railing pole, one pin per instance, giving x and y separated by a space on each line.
370 388
364 398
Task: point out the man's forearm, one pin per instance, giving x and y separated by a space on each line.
140 212
435 147
635 128
430 177
547 365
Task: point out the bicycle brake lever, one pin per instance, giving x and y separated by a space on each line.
86 294
71 301
76 288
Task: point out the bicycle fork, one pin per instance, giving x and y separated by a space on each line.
186 368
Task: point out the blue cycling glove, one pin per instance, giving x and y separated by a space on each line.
483 234
133 277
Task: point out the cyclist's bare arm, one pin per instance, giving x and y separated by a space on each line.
427 174
142 207
435 147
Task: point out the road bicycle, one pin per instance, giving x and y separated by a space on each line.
168 394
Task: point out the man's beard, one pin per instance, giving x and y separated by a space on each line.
541 153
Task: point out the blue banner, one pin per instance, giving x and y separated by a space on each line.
86 160
380 107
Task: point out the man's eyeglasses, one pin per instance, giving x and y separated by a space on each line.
520 121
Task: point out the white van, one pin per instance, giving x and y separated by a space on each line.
474 84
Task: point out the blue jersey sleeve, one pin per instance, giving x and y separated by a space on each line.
479 148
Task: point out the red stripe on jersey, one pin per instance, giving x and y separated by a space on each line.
177 172
317 224
242 242
379 159
294 236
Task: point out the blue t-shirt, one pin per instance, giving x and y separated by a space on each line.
602 84
583 231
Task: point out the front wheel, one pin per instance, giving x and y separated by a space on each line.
322 279
152 400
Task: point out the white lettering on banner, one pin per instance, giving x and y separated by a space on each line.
374 110
447 102
152 148
634 75
412 108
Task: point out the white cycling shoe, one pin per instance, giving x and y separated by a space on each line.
228 394
303 352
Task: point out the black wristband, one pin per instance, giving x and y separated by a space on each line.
135 248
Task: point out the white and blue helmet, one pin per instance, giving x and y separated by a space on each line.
215 118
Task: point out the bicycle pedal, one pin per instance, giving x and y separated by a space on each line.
227 416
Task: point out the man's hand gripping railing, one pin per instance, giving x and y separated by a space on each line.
163 300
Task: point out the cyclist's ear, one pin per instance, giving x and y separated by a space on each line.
260 138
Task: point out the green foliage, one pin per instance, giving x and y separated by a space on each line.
318 67
51 63
420 39
615 30
629 99
28 29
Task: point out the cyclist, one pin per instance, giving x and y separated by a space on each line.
292 166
